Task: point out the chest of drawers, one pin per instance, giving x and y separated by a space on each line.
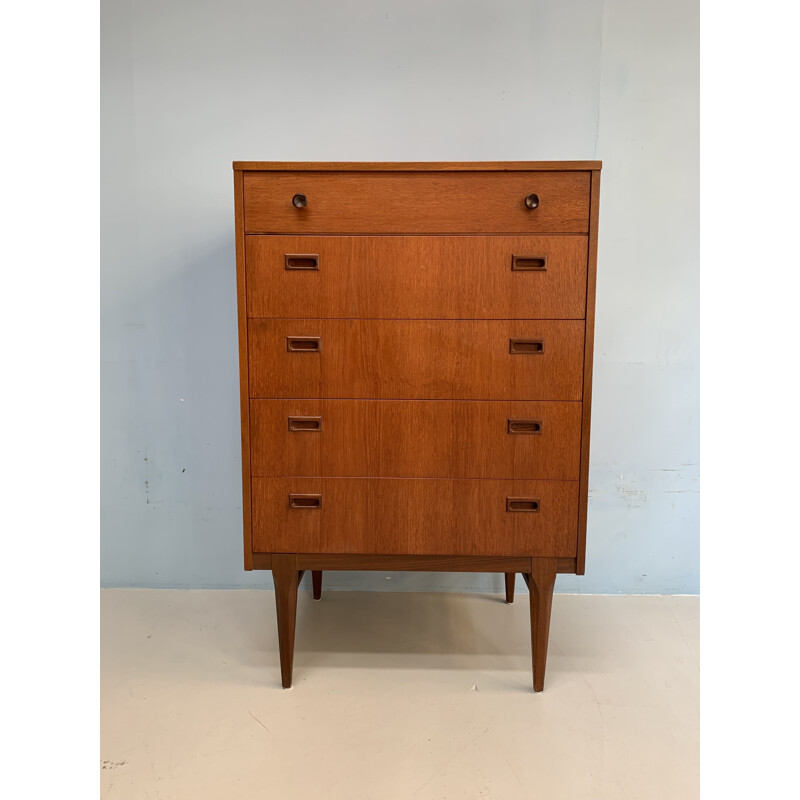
415 344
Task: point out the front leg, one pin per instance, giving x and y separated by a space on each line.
286 578
540 582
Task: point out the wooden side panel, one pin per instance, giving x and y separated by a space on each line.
412 359
415 439
416 517
418 277
241 301
588 358
407 202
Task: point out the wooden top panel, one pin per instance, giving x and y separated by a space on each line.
416 166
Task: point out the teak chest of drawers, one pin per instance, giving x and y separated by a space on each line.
415 344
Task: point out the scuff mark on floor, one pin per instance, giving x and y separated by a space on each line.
260 723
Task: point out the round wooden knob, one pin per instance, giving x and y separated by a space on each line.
299 201
532 201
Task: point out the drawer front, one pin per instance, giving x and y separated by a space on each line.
418 517
380 202
413 359
417 277
415 439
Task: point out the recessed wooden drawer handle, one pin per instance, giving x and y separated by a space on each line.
529 263
525 426
522 503
303 344
532 201
305 424
305 501
299 201
293 261
526 346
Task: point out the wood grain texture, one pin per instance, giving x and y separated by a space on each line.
408 563
415 439
362 562
417 277
415 202
588 360
541 582
405 319
286 578
412 359
241 300
416 166
414 516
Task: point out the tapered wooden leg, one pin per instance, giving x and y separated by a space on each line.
510 578
286 578
541 581
316 580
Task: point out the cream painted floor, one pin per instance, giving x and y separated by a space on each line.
397 695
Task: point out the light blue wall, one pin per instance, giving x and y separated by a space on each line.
187 87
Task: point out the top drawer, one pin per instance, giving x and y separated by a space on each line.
432 202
